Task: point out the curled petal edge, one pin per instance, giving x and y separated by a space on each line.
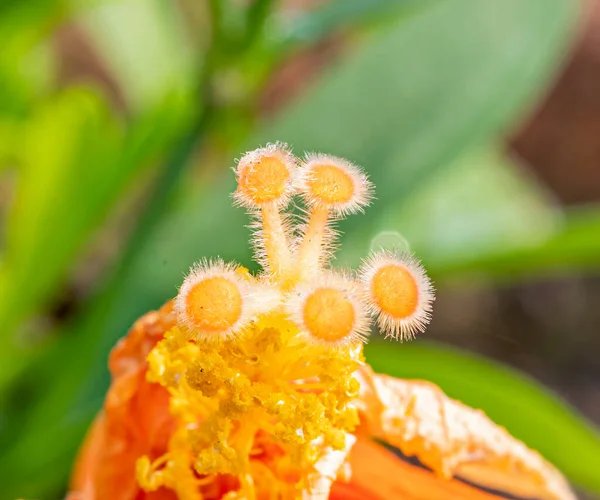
452 439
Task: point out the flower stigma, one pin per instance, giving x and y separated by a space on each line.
260 369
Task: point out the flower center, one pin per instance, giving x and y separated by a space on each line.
260 369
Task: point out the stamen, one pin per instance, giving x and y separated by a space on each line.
266 183
329 186
399 292
260 371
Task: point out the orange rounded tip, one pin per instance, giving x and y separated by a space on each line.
265 177
214 304
334 183
331 184
329 311
395 291
328 315
399 292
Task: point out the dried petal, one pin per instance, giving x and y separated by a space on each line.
453 439
327 470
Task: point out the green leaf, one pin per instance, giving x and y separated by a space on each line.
25 60
511 399
421 95
76 159
571 245
144 42
65 149
322 22
481 205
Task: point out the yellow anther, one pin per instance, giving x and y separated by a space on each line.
202 379
395 291
266 178
214 304
330 184
328 315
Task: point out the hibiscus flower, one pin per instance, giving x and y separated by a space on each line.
255 387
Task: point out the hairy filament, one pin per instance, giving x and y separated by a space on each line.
313 244
275 242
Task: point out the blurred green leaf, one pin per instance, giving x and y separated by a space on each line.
65 150
511 399
384 110
76 161
572 245
324 21
481 205
25 61
144 43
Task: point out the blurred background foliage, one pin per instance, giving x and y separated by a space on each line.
120 120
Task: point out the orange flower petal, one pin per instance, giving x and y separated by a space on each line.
453 439
377 474
414 416
135 420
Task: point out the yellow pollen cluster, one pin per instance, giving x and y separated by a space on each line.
260 370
